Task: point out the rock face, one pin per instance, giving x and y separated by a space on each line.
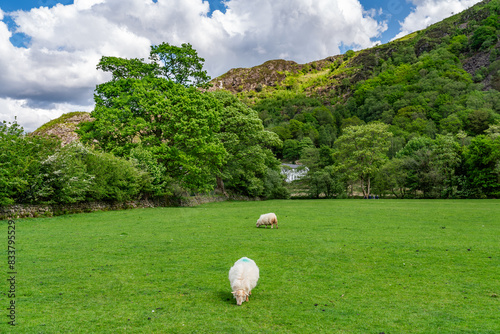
268 74
244 79
63 127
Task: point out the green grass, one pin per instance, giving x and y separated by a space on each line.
333 266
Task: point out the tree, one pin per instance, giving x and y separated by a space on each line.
446 157
178 124
361 150
180 64
250 160
392 177
482 164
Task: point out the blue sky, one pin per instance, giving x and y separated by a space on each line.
49 49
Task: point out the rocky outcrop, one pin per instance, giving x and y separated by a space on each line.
270 73
63 127
245 79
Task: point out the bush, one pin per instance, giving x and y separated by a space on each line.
115 179
20 163
155 179
274 187
76 174
64 176
484 37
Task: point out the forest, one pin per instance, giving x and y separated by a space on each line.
415 118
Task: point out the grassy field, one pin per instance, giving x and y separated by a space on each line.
333 266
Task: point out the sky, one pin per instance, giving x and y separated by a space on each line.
49 49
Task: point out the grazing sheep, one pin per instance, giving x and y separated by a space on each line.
268 219
243 277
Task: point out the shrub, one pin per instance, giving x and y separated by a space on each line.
20 163
64 176
115 179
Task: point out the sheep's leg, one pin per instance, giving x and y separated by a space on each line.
247 297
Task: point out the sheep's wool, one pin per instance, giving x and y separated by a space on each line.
243 277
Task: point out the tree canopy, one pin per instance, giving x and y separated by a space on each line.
160 109
249 146
360 152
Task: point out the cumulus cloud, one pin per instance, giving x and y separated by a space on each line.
31 117
428 12
56 72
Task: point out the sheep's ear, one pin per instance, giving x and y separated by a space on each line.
233 292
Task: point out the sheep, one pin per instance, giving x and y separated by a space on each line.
268 219
243 277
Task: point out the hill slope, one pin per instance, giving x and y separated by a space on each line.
444 79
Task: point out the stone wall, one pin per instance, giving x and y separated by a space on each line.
26 210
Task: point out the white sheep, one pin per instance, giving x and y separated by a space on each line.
268 219
243 277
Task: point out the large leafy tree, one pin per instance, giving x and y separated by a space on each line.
139 107
250 158
361 151
181 65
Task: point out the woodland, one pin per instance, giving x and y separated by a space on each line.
418 117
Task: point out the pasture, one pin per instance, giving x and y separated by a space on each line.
333 266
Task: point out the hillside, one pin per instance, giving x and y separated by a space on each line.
63 127
437 76
444 79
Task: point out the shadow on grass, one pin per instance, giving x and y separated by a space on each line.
226 297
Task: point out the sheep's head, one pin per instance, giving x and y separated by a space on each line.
258 223
240 296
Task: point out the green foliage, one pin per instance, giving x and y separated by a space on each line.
291 149
64 176
349 54
180 64
482 165
76 174
115 179
122 68
423 168
250 161
360 152
177 124
274 187
21 159
325 182
156 180
484 37
159 109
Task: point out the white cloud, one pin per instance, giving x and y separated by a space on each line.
29 117
428 12
57 70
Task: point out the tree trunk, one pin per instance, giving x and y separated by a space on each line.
368 184
365 195
220 186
